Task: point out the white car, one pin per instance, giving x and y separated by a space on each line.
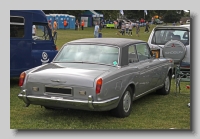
172 42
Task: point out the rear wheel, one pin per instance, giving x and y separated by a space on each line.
167 85
125 105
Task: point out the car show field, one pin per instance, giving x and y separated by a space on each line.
152 111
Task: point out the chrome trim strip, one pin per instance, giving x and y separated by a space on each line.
149 90
89 104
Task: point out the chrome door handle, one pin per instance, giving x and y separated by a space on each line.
34 42
147 67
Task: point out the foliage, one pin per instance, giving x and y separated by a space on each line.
172 16
167 15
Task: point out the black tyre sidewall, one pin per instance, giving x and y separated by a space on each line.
119 111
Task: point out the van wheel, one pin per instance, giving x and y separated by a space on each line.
167 85
125 105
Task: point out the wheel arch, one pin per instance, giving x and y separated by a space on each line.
132 86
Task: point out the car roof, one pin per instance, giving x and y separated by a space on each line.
187 25
120 42
172 27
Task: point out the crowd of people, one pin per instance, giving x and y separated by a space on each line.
127 28
124 28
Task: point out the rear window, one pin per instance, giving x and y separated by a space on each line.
161 37
86 53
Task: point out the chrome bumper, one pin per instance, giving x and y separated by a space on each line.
90 104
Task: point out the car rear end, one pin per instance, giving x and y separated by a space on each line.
65 88
178 49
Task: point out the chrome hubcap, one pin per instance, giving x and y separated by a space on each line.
127 101
167 84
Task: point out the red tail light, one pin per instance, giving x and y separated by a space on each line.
98 85
21 78
56 48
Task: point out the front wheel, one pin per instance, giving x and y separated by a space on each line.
125 105
167 85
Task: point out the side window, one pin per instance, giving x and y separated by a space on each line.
142 51
40 32
132 56
157 37
16 27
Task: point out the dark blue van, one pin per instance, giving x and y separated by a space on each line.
31 41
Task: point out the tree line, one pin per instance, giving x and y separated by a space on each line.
166 15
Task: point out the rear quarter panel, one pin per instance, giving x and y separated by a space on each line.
116 81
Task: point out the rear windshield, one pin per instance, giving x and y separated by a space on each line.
161 37
86 53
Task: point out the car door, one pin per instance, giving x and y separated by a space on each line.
148 68
43 47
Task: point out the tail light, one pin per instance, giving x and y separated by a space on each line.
98 85
21 78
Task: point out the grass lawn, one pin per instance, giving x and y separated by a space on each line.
150 112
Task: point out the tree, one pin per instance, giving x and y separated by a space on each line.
171 16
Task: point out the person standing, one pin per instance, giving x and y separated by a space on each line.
96 30
137 30
33 30
130 28
55 25
50 26
65 23
127 28
76 25
101 25
123 28
120 24
147 27
82 24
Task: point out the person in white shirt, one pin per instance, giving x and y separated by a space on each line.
130 28
127 27
33 30
96 30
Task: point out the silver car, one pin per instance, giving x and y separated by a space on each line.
172 42
97 74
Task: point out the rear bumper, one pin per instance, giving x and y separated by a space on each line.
90 104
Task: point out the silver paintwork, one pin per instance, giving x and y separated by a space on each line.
143 77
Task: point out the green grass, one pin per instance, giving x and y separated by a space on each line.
153 111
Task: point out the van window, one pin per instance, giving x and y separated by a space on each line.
42 33
16 27
161 37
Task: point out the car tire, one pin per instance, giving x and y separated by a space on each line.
167 85
125 105
49 108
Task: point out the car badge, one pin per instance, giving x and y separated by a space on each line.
173 45
58 81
